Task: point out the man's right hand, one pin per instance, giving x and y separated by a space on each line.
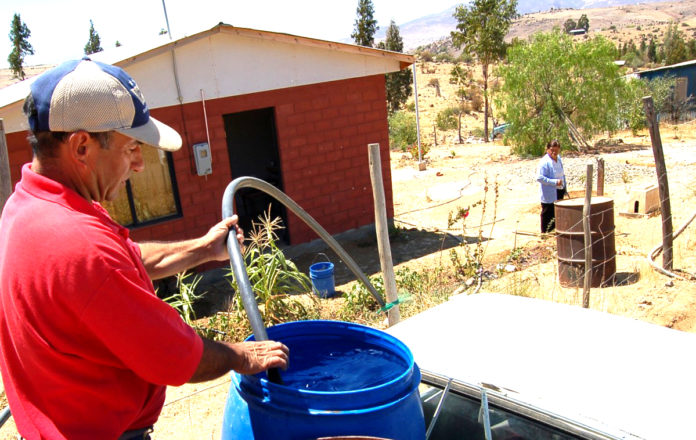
259 356
244 357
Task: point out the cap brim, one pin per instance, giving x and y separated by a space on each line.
156 134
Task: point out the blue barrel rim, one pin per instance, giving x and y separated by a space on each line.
321 269
258 388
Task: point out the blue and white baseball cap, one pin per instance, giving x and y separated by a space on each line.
96 97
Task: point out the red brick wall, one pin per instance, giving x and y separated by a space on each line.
323 131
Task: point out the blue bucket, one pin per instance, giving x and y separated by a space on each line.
322 276
344 379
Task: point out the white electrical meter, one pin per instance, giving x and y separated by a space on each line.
204 160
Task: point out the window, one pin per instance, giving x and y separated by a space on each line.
461 416
680 89
150 195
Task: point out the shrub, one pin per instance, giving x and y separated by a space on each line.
476 99
447 119
426 56
402 129
275 280
413 149
444 57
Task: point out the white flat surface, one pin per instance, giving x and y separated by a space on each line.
629 378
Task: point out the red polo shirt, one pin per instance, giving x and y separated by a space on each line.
86 348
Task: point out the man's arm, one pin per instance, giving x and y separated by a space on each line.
245 357
163 259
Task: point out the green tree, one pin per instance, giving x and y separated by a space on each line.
403 130
675 46
569 25
552 80
365 25
447 119
652 50
463 78
691 45
398 83
481 28
19 36
584 23
94 43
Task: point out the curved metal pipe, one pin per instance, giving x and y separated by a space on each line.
5 415
237 261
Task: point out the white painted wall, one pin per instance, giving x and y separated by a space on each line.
225 65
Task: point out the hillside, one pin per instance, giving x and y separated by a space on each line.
618 23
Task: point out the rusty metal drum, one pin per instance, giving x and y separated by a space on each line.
570 240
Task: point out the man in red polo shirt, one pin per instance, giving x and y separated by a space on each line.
86 347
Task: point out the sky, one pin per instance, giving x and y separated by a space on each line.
60 28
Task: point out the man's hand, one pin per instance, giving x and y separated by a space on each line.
244 357
255 357
216 238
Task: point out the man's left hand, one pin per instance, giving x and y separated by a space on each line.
216 238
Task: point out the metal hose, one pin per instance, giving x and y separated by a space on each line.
237 261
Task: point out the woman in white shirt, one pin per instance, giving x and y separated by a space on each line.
553 184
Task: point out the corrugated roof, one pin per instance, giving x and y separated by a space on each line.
671 66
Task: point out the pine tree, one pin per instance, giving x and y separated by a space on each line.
19 36
652 50
481 28
584 23
675 46
365 25
569 25
398 83
93 44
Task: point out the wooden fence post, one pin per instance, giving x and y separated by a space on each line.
586 212
600 177
5 178
382 229
663 187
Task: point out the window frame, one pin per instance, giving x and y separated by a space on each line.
175 193
518 408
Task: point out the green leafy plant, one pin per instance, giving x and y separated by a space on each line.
275 280
359 304
424 149
402 130
467 259
186 296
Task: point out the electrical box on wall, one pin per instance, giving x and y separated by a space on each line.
204 160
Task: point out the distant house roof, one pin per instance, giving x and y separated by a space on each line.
670 67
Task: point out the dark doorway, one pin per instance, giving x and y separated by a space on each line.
253 150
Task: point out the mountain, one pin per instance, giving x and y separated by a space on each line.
437 26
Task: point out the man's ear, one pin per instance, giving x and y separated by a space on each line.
79 144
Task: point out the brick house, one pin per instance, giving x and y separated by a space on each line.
294 111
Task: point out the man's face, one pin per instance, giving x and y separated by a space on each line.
553 152
114 165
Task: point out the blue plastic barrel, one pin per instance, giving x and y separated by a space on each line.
344 379
322 276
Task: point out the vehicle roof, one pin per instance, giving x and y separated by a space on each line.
629 378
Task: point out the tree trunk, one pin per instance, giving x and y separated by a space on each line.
459 128
485 101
